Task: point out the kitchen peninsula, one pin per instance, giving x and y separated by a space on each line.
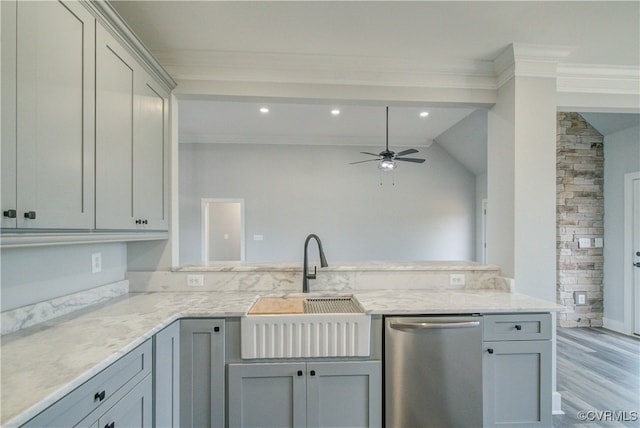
43 363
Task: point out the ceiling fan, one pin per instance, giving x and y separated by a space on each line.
386 158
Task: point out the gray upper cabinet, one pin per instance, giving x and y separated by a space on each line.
85 112
48 182
131 141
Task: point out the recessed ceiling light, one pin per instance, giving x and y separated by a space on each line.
264 110
424 113
335 112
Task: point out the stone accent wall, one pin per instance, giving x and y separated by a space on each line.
580 214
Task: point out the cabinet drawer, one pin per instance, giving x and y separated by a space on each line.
517 327
105 388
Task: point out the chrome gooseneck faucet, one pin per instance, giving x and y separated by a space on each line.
306 276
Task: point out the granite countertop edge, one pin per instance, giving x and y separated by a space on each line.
157 310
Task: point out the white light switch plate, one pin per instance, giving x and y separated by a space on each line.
584 243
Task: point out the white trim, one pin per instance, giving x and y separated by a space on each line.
483 244
628 251
618 326
316 140
174 181
556 403
204 226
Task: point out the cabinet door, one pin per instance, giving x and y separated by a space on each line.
202 379
114 133
167 377
8 196
265 395
150 154
134 410
517 384
55 115
344 394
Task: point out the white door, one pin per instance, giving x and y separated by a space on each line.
635 225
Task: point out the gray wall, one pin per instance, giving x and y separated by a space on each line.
31 275
621 156
291 191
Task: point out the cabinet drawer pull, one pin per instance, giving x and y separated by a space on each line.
10 213
300 373
31 215
490 350
99 396
216 329
518 327
312 373
111 425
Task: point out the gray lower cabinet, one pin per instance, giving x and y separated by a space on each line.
305 394
202 377
517 370
166 369
121 394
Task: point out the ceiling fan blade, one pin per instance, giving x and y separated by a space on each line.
407 152
369 153
410 160
368 160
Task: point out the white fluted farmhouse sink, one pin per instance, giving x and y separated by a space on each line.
305 327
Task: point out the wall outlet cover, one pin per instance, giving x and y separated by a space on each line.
96 262
195 280
580 297
456 279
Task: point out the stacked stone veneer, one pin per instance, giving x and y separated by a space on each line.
580 214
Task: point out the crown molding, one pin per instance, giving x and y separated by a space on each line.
516 60
526 60
598 79
308 140
325 69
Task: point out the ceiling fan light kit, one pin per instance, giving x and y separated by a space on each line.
387 159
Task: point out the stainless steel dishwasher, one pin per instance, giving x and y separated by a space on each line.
433 372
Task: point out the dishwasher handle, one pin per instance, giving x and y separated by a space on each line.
432 325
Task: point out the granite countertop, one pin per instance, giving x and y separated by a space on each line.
42 363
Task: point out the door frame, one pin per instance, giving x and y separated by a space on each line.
204 226
629 293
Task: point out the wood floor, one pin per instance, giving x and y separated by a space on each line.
598 370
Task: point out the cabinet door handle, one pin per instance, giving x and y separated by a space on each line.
490 350
312 372
31 215
111 425
99 396
10 213
300 373
216 329
145 221
518 327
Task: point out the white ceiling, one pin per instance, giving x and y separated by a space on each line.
598 32
214 121
195 39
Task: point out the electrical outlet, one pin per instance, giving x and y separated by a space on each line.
456 279
584 243
96 262
580 298
195 280
258 237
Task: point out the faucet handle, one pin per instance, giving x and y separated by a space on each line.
312 275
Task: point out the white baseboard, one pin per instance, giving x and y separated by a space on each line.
556 403
614 325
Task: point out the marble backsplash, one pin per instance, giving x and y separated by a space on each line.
288 278
26 316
